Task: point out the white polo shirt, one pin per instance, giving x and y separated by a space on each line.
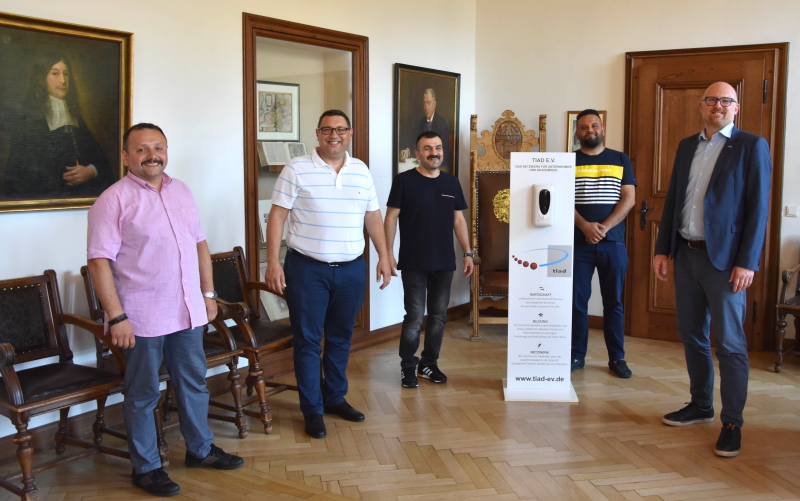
326 218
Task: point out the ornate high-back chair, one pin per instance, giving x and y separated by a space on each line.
33 328
489 200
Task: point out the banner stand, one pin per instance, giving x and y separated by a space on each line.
541 239
538 395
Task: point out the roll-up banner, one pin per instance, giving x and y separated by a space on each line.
542 222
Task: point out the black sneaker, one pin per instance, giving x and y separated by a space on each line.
690 414
408 377
730 441
156 483
431 372
620 368
576 364
217 458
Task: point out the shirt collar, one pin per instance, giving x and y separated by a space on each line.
319 162
725 131
165 180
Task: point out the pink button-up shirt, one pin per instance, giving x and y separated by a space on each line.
151 238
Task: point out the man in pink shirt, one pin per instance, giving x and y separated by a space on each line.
151 267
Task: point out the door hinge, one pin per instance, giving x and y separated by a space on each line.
764 94
755 311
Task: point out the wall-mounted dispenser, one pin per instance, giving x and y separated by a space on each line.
543 204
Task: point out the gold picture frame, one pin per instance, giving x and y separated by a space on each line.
572 119
65 102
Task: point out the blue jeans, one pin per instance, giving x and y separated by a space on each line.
186 363
322 298
704 296
611 261
415 286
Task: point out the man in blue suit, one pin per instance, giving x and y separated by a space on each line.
713 226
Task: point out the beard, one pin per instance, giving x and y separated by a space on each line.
592 142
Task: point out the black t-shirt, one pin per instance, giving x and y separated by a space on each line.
598 186
427 207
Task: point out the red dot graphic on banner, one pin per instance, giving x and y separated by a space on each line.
525 264
534 266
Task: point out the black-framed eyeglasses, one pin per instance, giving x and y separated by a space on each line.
723 101
327 131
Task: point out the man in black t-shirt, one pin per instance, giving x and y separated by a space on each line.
428 203
604 194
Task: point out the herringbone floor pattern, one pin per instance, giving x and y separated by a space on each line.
461 441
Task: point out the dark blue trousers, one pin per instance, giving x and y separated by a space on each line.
611 261
322 299
703 296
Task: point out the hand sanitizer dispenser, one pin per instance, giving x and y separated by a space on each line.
543 204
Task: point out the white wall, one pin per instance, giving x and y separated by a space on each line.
553 56
188 79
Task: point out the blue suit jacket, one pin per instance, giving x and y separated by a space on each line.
736 203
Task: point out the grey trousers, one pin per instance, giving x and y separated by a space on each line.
703 295
186 363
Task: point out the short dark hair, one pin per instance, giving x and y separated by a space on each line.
589 111
334 113
139 126
428 134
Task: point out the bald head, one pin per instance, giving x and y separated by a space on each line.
716 116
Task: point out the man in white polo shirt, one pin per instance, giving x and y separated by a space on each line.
331 198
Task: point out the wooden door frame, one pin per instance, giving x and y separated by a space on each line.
765 311
253 27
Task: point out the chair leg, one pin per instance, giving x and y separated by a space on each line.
61 434
167 401
163 448
236 391
99 422
25 456
257 374
249 382
780 334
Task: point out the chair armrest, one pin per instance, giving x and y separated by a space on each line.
262 287
96 330
476 260
786 277
10 379
239 313
223 333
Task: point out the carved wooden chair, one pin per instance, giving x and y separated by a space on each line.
255 335
489 200
787 306
32 328
219 348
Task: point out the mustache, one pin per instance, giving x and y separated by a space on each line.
156 160
431 157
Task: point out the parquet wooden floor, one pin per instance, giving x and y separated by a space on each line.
461 441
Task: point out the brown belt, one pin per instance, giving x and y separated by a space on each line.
695 244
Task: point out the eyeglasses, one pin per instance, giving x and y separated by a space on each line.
327 131
723 101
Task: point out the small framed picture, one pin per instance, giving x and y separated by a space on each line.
572 123
278 111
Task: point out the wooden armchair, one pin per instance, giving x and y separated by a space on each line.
489 200
33 327
790 306
218 346
257 337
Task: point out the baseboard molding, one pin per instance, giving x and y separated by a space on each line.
595 322
274 365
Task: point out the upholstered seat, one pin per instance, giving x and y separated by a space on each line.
57 380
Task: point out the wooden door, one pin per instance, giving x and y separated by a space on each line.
663 92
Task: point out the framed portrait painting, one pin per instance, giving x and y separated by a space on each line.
572 124
278 113
65 101
425 100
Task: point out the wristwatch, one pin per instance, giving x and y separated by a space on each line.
470 254
211 295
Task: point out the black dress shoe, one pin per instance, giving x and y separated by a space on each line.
620 368
156 483
315 426
217 458
345 411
